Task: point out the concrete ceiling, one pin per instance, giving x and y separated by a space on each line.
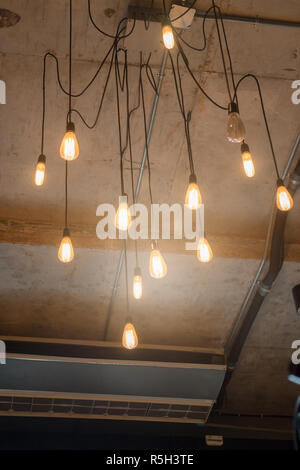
40 297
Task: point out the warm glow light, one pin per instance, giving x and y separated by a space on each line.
193 197
168 36
123 218
204 251
129 339
66 252
284 200
235 128
69 149
247 161
39 175
157 265
137 284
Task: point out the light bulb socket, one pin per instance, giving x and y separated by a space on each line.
66 232
192 178
128 319
280 182
154 245
70 126
137 271
245 147
166 22
233 107
42 159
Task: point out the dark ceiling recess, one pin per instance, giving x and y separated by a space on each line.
8 18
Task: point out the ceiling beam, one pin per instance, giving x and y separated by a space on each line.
41 233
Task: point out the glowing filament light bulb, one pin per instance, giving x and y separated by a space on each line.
69 149
247 160
157 265
39 175
66 252
123 217
168 36
193 197
137 284
284 200
204 251
129 338
235 128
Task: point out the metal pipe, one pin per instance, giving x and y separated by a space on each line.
138 187
156 15
267 244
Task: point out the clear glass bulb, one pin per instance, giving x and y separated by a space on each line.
157 265
193 197
284 200
69 149
123 217
248 164
39 175
129 338
204 251
66 252
137 284
168 37
235 128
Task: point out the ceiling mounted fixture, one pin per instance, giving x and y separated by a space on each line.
174 23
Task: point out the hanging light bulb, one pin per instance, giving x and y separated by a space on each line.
284 200
39 175
66 252
157 265
123 217
204 251
137 283
235 128
193 197
247 160
168 36
69 149
129 338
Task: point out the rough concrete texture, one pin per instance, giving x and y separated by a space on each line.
195 305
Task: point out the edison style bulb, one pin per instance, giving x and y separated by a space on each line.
69 149
123 218
168 36
204 251
235 127
137 284
247 161
284 200
129 338
193 197
39 175
157 265
66 252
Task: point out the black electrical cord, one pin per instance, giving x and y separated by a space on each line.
250 75
222 52
119 125
199 86
103 32
145 132
70 62
44 107
66 195
198 49
148 18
